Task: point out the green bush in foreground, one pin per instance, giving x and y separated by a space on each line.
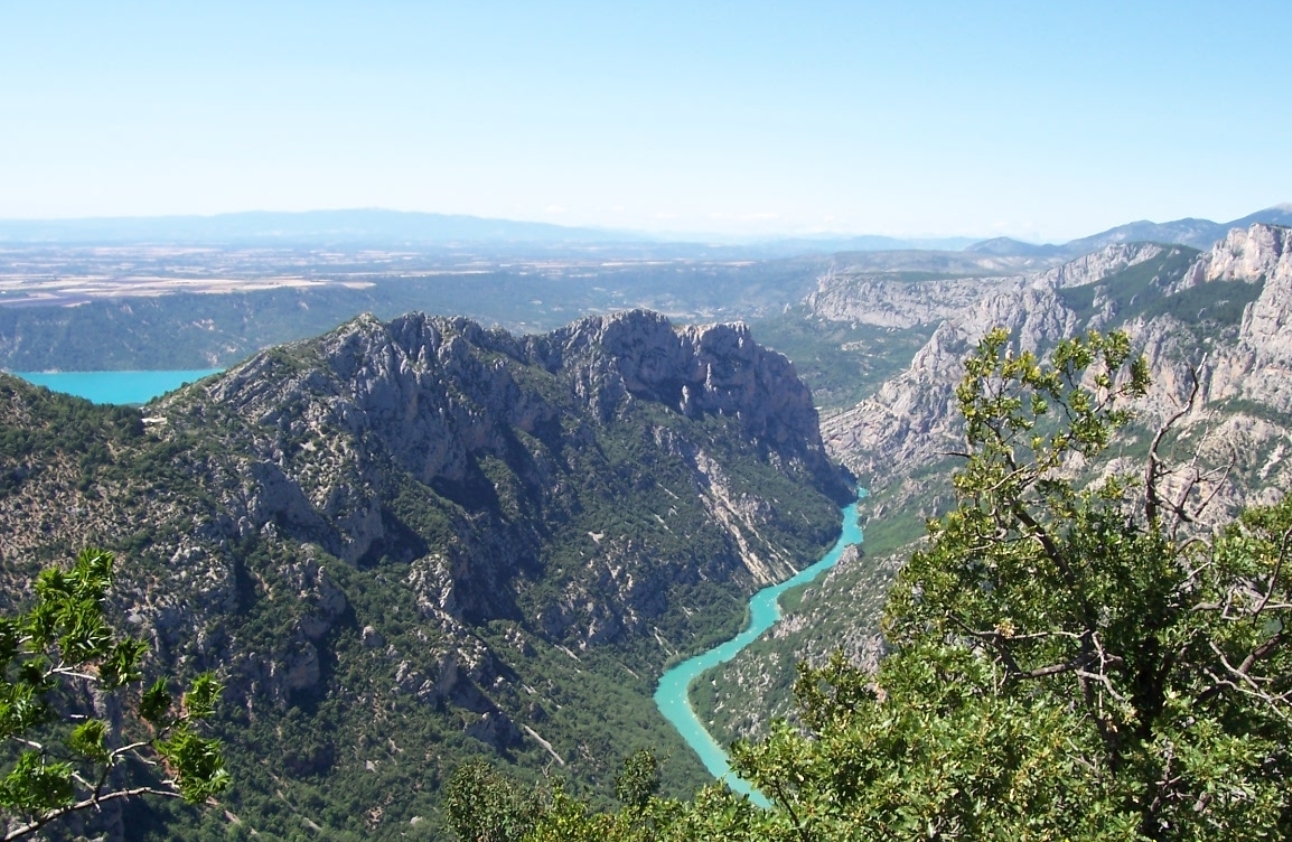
1067 663
60 659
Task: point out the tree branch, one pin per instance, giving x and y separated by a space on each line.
1152 470
93 801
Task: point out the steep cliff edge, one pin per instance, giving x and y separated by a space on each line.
407 542
1224 316
1256 365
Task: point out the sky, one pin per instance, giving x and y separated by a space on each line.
1043 120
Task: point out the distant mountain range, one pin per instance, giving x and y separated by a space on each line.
309 227
1196 233
378 227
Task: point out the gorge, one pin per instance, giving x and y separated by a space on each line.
408 543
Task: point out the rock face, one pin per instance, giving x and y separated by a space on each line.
435 399
697 370
911 420
428 516
895 303
1257 364
1098 265
1184 321
1224 315
888 299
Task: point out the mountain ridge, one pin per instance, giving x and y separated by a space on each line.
1189 231
419 228
408 543
318 226
1040 309
1222 316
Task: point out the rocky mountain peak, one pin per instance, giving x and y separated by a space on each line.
453 406
1250 254
696 370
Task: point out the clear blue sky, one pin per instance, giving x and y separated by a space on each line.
1043 119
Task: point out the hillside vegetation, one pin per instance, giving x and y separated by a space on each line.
407 544
1075 663
1207 317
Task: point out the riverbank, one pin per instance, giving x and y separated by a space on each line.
672 694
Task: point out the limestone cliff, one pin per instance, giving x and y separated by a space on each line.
1255 366
1223 314
500 538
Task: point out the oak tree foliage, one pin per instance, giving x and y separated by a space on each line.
1070 658
85 726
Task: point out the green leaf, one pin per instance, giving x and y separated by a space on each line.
155 704
197 763
36 786
122 664
88 739
202 696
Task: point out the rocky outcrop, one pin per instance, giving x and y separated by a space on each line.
911 421
695 370
1245 254
1251 360
896 303
1258 365
354 442
893 301
1098 265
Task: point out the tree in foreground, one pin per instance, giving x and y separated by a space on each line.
71 688
1067 661
1067 664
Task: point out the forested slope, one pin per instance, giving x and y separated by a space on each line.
409 543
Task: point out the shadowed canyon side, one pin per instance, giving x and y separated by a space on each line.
406 543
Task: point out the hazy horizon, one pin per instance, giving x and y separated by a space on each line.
914 121
934 241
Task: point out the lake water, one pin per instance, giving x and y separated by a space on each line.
115 386
672 696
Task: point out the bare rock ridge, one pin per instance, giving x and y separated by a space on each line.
699 370
431 516
1226 312
435 396
352 442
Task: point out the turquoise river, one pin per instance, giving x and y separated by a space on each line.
672 697
126 387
